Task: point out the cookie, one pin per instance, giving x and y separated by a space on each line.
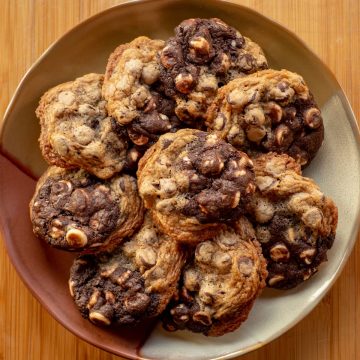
73 210
133 93
294 221
269 111
193 182
76 130
219 284
204 55
130 284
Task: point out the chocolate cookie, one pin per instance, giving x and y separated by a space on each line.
73 210
76 131
204 55
132 283
193 182
220 283
295 222
269 111
134 94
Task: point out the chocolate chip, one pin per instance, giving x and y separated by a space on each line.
204 252
245 265
180 314
222 261
137 303
203 318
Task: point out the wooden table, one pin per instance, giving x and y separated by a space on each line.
332 29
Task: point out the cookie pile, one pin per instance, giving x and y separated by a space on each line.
177 173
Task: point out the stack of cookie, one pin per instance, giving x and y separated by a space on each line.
178 176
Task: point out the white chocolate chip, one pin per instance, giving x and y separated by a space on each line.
186 160
200 44
240 173
207 83
219 122
59 143
150 73
211 139
291 235
56 233
275 279
282 134
264 210
84 134
183 83
133 66
98 318
279 253
66 97
108 271
312 218
312 118
93 299
110 297
307 255
76 238
237 99
265 183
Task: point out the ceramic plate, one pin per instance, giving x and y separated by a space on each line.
86 49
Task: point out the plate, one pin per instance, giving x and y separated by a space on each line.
86 49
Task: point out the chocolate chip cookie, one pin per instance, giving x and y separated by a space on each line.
294 221
76 131
219 284
132 283
193 182
269 111
73 210
133 92
204 55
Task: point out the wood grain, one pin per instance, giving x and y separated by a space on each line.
332 29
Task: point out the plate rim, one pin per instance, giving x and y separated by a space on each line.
351 118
